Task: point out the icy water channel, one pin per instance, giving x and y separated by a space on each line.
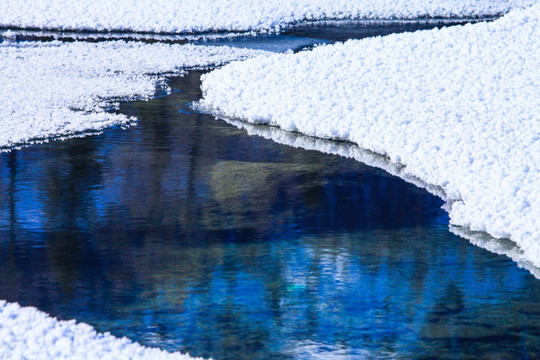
186 233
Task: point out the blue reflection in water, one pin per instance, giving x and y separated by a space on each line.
185 233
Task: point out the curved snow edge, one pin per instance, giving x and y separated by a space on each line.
195 16
347 149
27 333
457 106
56 90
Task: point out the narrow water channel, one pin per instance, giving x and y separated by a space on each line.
186 233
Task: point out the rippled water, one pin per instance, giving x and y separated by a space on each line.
184 232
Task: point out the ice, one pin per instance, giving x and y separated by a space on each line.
27 333
456 107
188 16
58 89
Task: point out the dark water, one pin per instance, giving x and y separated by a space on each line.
185 233
359 29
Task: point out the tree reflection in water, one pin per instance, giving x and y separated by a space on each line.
184 232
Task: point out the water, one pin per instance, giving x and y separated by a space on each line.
185 233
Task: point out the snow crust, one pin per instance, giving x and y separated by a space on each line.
457 107
184 16
58 89
27 333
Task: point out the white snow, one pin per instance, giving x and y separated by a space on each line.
458 107
58 89
27 333
183 16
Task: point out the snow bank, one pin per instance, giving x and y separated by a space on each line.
177 16
458 107
27 333
58 89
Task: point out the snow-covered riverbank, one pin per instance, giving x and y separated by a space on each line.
27 333
170 16
458 107
60 89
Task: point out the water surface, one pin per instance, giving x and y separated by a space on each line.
186 233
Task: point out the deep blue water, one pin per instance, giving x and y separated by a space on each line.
185 233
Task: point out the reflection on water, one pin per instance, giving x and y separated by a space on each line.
351 150
184 232
343 30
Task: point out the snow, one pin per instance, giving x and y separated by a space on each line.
59 89
185 16
48 35
498 246
456 107
27 333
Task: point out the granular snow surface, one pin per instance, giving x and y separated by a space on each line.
58 89
187 16
27 333
458 107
